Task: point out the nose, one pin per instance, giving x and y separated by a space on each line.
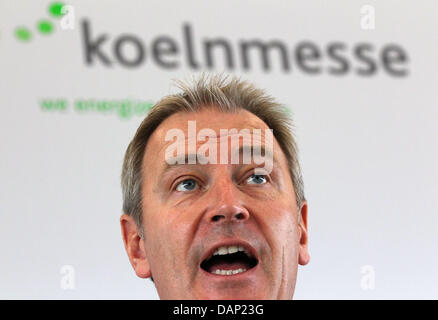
226 204
232 213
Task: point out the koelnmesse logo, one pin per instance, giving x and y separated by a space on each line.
335 58
44 26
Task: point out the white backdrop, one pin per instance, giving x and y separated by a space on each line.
369 144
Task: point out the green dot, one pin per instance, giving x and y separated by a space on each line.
55 9
45 27
23 34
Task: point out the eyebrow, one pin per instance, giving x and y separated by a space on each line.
184 159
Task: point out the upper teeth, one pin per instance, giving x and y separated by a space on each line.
229 249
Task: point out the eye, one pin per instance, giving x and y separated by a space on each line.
256 179
186 185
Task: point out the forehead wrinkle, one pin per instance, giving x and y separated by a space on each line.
170 168
167 166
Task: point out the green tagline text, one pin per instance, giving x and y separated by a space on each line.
123 108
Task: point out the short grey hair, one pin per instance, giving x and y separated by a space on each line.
226 94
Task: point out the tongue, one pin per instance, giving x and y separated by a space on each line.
228 266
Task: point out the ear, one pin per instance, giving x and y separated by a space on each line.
134 246
304 256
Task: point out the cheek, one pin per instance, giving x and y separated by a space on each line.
169 233
281 228
164 254
285 232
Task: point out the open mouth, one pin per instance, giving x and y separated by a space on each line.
229 260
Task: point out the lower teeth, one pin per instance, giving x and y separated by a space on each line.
228 272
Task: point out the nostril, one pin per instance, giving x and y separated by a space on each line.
240 216
217 218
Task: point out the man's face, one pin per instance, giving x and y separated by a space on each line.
218 231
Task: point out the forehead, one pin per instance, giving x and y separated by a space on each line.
209 118
206 118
